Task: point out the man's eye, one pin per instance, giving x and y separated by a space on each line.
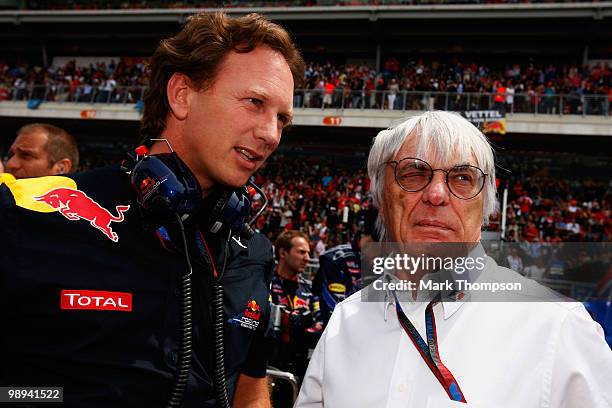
255 101
283 119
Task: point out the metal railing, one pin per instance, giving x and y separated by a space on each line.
79 94
555 104
276 378
536 104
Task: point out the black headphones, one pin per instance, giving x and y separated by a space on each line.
165 187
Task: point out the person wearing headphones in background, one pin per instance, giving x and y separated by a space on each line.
298 317
143 285
41 149
339 273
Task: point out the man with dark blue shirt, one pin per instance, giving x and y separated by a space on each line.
93 270
291 294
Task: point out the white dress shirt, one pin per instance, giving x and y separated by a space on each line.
502 354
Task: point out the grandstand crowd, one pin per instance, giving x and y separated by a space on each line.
168 4
549 205
513 87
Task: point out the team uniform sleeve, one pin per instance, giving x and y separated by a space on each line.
581 374
328 276
257 360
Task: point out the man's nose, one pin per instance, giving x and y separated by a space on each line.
268 131
12 164
436 192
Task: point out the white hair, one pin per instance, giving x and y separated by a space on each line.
444 138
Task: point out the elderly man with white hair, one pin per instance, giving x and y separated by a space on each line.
433 180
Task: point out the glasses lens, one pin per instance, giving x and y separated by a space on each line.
465 181
413 174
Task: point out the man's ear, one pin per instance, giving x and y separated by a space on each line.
62 166
281 254
178 90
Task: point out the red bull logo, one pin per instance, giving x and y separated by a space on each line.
146 185
76 205
252 311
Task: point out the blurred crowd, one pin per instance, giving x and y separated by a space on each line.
327 201
517 87
553 202
141 4
117 81
412 85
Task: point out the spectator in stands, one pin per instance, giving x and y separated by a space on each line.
321 243
559 353
515 262
510 91
292 297
499 99
41 149
393 89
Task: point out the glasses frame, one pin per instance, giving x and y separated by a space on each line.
396 164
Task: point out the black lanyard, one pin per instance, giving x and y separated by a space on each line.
429 350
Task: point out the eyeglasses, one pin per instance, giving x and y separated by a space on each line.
463 181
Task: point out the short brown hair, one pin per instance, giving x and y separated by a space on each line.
284 241
198 51
60 144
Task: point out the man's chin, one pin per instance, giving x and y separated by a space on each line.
235 181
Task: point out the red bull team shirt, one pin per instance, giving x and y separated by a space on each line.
91 299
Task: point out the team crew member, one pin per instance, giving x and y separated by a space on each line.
433 180
300 316
339 274
41 149
93 266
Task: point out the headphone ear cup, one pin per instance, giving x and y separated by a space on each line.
216 215
230 212
165 186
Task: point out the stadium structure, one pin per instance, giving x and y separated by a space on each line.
562 134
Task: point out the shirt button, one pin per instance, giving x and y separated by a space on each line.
401 387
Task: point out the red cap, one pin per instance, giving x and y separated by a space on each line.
141 150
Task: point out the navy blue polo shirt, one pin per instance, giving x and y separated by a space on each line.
90 296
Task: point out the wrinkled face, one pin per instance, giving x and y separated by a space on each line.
232 127
432 214
297 258
28 157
